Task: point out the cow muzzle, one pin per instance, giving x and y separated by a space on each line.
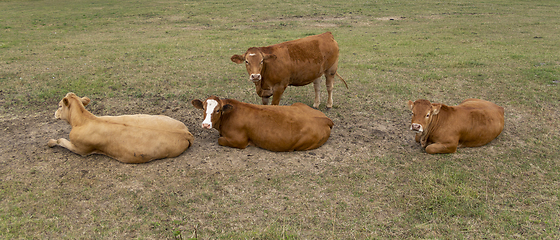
206 125
416 127
57 114
255 77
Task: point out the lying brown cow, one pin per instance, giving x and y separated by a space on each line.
293 63
442 129
129 138
276 128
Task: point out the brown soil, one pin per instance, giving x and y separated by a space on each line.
87 190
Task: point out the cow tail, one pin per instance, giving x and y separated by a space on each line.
342 79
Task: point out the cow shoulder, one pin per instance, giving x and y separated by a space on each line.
444 120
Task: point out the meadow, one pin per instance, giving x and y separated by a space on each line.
371 180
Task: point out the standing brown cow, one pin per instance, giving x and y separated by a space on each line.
293 63
442 129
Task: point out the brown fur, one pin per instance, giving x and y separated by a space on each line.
276 128
472 123
128 138
293 63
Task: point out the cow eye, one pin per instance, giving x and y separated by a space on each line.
218 110
428 115
262 61
246 62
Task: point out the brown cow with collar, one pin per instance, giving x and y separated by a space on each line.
128 138
442 129
276 128
293 63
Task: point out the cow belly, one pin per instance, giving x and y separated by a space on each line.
313 140
136 143
289 139
305 75
485 128
478 138
147 145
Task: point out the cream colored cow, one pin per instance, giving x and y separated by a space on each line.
128 138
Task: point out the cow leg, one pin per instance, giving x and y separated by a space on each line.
278 91
236 143
68 145
441 148
317 87
330 84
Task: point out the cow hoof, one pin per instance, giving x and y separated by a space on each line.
52 143
328 108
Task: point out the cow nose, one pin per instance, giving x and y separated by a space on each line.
255 77
416 127
206 125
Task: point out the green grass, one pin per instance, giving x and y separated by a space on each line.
159 51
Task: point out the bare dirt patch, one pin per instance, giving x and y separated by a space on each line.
86 187
390 18
353 134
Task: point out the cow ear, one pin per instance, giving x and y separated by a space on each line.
197 104
410 104
227 108
237 59
65 102
435 108
85 101
269 57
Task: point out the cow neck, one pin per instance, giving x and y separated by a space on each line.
263 77
218 125
78 115
434 123
260 83
258 86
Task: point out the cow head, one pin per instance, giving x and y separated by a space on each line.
64 106
213 110
422 114
254 60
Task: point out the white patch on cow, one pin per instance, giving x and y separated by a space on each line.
416 127
252 54
210 106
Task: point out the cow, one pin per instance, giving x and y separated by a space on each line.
294 63
128 138
276 128
442 129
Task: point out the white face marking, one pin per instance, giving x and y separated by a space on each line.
416 127
210 106
252 54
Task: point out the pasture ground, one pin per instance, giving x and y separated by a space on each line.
369 181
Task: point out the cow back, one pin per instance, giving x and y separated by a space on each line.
145 121
300 61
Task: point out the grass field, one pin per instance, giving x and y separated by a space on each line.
370 181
